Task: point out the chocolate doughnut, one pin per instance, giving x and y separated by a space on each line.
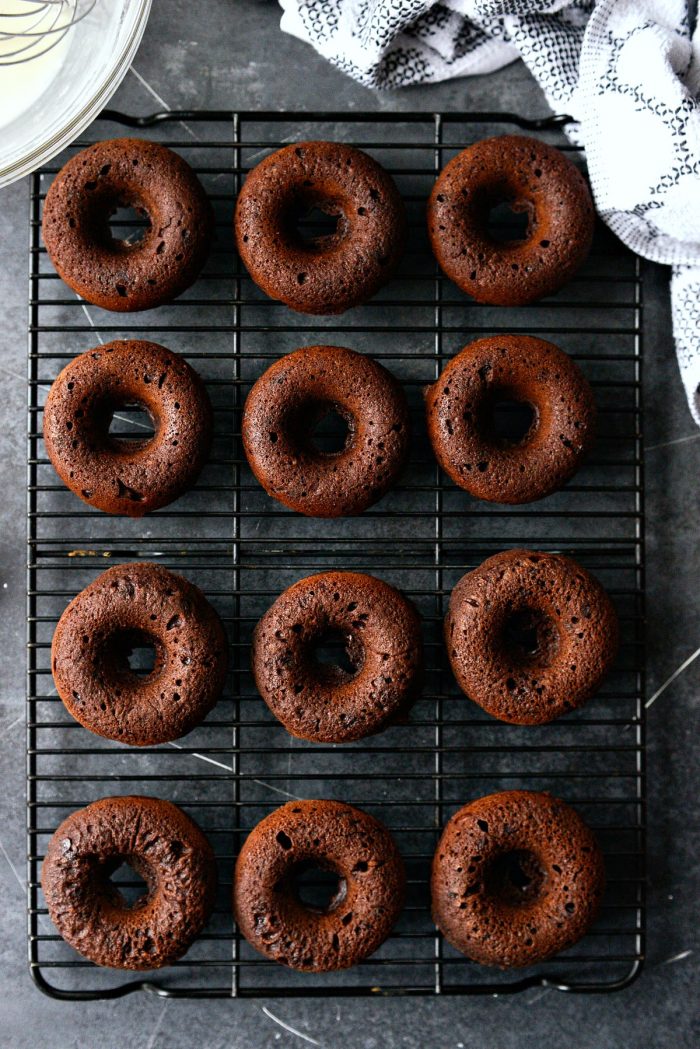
119 475
324 702
164 847
462 428
326 274
130 606
517 877
531 177
329 836
117 274
292 397
530 636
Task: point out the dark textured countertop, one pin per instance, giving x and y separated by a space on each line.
234 56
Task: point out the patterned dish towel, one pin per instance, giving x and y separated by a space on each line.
627 70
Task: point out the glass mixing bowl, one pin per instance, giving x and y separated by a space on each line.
46 102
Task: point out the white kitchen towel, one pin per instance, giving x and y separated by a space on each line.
628 71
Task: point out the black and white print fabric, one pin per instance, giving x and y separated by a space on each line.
627 70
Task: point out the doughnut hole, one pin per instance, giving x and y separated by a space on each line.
120 222
322 429
318 888
336 656
133 655
127 880
508 418
331 433
124 425
509 221
530 638
128 225
515 878
317 224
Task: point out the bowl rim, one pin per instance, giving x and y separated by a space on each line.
77 123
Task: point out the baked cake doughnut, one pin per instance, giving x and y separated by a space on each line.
287 403
117 274
324 702
515 369
533 178
530 636
135 605
517 877
330 836
164 847
119 475
327 274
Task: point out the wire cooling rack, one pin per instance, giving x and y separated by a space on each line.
242 549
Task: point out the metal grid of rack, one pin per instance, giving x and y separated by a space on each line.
242 549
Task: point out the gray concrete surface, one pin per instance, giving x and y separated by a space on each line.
233 55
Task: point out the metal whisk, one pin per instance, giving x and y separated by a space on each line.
30 28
